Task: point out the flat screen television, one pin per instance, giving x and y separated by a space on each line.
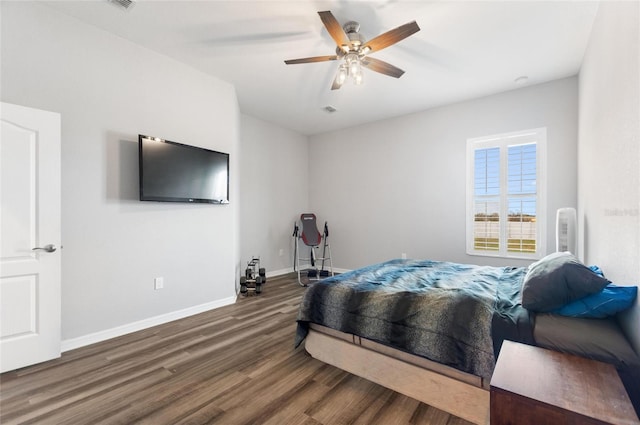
173 172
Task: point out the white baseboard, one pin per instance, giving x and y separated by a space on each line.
82 341
280 272
290 270
341 270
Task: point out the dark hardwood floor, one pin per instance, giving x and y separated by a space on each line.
233 365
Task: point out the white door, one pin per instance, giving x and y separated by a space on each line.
29 236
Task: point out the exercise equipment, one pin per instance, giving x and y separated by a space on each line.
254 277
312 238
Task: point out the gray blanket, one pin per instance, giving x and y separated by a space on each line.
438 310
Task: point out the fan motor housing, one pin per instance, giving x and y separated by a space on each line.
352 29
351 26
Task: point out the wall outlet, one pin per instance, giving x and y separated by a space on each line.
158 283
404 255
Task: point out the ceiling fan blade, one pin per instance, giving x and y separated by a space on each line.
311 59
334 28
382 67
392 36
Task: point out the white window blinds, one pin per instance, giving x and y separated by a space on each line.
504 194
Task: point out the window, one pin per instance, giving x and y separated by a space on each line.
505 194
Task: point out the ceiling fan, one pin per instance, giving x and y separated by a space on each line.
354 49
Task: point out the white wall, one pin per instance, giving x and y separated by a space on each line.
609 150
108 91
273 192
398 186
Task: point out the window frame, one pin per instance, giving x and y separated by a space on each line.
503 141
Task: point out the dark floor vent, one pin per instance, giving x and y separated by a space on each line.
123 4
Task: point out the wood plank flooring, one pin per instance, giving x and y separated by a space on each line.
233 365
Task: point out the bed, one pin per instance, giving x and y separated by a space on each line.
432 330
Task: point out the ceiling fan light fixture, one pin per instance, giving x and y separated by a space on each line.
354 68
350 67
342 74
358 78
353 62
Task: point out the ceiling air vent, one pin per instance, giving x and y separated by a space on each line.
122 4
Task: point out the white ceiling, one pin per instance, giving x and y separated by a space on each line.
464 50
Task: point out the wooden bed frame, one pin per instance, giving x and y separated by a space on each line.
443 387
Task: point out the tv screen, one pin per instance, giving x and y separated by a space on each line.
173 172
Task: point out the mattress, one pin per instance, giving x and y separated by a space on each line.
597 339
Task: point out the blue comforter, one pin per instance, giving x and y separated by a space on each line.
443 311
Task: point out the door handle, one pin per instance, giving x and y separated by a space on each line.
46 248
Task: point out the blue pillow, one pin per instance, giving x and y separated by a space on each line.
608 302
597 270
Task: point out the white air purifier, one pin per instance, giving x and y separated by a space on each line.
566 230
